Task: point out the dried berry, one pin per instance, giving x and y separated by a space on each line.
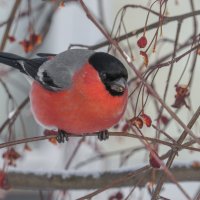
145 57
146 119
182 91
26 45
35 39
27 147
53 140
11 156
136 121
196 164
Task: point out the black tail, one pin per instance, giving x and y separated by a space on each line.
12 60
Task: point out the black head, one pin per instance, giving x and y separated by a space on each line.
111 71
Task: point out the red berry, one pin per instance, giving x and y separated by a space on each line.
142 42
153 161
164 120
3 180
111 198
119 196
11 39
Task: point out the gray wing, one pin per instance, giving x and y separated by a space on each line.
56 74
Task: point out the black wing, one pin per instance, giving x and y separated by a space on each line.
46 55
29 67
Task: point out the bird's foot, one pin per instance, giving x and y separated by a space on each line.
103 135
62 136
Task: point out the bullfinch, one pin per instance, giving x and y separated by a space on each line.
78 91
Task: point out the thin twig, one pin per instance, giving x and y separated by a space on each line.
174 154
166 20
14 116
9 24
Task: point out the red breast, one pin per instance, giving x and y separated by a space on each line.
86 107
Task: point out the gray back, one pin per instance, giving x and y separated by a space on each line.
60 70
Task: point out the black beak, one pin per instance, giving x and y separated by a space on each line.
118 85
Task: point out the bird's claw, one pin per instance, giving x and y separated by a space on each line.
103 135
62 136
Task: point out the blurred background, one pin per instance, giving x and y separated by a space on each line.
68 25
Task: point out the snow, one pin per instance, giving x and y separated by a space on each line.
11 114
127 57
69 173
83 173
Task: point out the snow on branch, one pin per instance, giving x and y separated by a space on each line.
41 180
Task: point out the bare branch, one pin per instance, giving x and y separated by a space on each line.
43 180
9 24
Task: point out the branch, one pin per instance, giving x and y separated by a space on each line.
14 116
171 158
175 59
166 20
138 74
117 134
10 21
40 180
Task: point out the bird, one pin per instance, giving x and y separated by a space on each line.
78 91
